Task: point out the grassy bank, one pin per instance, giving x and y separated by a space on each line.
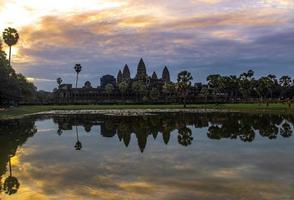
23 110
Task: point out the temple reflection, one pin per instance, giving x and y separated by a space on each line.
219 126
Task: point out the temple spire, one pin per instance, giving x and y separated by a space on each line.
141 70
126 76
165 75
119 77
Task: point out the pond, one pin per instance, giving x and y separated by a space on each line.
179 156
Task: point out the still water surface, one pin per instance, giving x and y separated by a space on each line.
165 156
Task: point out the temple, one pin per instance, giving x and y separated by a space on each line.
124 88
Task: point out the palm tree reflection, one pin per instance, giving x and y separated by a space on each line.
78 145
185 136
286 130
11 184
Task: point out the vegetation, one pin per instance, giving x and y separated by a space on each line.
14 87
246 86
78 69
59 81
184 83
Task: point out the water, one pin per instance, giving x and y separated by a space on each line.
166 156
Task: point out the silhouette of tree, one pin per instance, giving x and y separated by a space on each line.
10 37
59 81
184 83
78 69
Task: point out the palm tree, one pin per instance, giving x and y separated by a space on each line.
78 69
11 183
184 83
59 81
246 83
10 37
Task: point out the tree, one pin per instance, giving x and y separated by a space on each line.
154 94
204 92
215 82
168 88
139 88
184 83
59 81
246 83
78 69
10 37
14 87
285 85
109 89
264 87
230 86
285 81
123 86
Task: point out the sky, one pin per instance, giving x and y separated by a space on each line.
201 36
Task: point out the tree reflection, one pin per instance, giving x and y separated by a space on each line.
11 184
237 126
185 136
78 145
13 134
286 130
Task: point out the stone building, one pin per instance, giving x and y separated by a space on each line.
89 94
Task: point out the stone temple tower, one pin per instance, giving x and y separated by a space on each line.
126 75
141 70
119 77
165 75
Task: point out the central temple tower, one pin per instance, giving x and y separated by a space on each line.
141 71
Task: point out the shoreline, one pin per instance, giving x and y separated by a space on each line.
22 111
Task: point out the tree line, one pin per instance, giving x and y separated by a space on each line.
246 86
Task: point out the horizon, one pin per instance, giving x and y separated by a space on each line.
201 36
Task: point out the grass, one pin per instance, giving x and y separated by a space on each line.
24 110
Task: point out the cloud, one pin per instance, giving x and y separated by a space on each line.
207 37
